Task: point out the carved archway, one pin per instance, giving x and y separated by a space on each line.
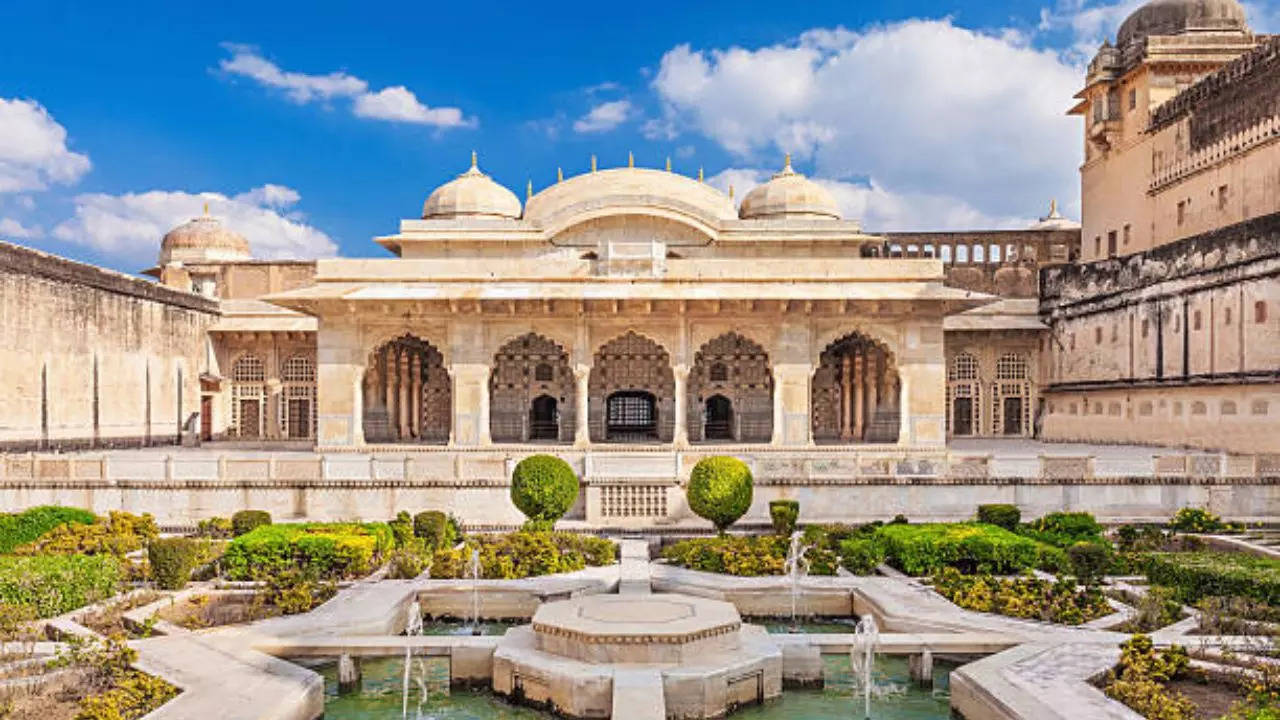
628 366
737 369
525 369
408 395
855 392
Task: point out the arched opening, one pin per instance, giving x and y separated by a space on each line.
717 418
544 419
964 394
855 393
632 416
631 392
408 395
736 369
298 398
525 370
1011 409
248 398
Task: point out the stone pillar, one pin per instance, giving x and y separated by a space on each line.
792 424
582 421
415 396
470 403
920 668
846 396
856 383
402 398
872 385
339 371
922 403
348 674
681 437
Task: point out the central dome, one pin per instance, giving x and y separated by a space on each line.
202 239
789 194
1175 17
628 190
471 194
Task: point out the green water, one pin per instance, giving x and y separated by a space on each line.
459 627
379 698
809 626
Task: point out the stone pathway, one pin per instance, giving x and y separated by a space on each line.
635 579
638 695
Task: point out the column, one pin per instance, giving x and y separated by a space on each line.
402 401
388 383
681 438
857 397
872 380
846 405
792 398
415 396
470 404
582 398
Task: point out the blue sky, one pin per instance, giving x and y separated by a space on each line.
313 127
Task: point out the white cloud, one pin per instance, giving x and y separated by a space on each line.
395 104
14 229
934 111
33 149
129 227
603 117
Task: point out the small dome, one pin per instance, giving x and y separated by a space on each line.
789 194
1054 220
1174 17
471 194
203 239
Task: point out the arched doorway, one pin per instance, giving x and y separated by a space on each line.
964 396
544 419
525 370
632 392
855 392
298 408
248 397
717 418
1012 407
408 395
736 369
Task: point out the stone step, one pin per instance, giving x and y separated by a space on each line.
634 571
638 695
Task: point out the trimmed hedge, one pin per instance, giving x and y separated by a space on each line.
172 560
720 490
29 525
1064 529
524 554
1195 575
435 529
1000 515
326 550
543 487
119 534
55 584
971 547
246 521
829 547
783 514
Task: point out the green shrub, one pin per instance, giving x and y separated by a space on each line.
1199 520
1154 609
55 584
401 528
326 550
899 519
1023 597
121 533
27 526
1064 529
524 554
218 528
543 487
1089 561
745 556
296 590
925 548
1195 575
720 490
172 560
1139 680
408 562
435 529
784 514
1000 515
861 556
246 521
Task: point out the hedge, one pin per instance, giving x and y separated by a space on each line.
524 554
720 490
172 560
29 525
1195 575
783 514
435 528
543 487
327 550
828 547
1000 515
1064 529
119 534
972 547
246 521
55 584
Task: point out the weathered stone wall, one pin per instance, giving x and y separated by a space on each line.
998 262
1236 97
93 358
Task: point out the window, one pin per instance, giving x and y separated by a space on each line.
962 253
1177 323
248 369
1177 408
1097 336
964 367
994 253
1133 98
1097 246
1111 243
1011 367
913 251
1145 408
1227 316
1228 408
1074 409
1199 408
1260 311
298 369
928 250
1115 332
1182 211
1127 234
1097 408
946 253
1222 197
543 373
1144 327
1073 341
978 254
1259 407
1195 321
1113 409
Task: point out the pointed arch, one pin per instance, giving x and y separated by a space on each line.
736 369
624 371
855 393
408 394
527 368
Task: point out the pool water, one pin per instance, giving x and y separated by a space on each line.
808 626
382 679
461 627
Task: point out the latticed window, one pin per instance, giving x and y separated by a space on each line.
964 367
248 395
299 368
248 369
542 373
298 406
1011 367
719 373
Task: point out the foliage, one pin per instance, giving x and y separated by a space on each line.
216 527
524 554
1064 529
115 690
122 533
1263 699
1023 597
720 490
13 619
55 584
828 547
899 519
435 528
327 550
861 556
1156 608
543 487
1089 561
1237 616
27 526
1139 680
401 528
408 562
1195 575
972 547
246 521
1199 520
1140 538
135 694
172 560
1000 515
784 514
296 590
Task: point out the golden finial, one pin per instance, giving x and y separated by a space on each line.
473 159
699 174
559 175
528 190
631 159
1053 206
786 163
206 209
730 192
593 163
668 163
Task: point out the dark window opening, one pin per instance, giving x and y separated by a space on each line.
631 415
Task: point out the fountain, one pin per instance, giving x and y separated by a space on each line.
413 626
861 657
796 567
473 572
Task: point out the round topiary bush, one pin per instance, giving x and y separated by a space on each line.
543 487
245 521
720 490
784 514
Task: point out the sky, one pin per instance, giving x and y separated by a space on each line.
313 127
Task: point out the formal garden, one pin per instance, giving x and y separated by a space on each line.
96 583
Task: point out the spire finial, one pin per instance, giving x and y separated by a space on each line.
528 190
593 163
206 209
668 163
559 175
730 192
699 174
786 163
473 160
1053 206
631 159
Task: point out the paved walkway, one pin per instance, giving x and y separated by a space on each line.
634 561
